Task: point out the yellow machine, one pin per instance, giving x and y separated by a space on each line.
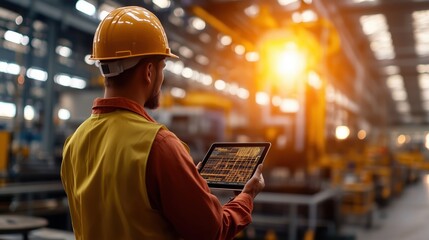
4 150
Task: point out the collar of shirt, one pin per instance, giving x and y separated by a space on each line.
106 105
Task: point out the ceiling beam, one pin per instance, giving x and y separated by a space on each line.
389 7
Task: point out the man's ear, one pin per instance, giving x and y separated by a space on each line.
147 72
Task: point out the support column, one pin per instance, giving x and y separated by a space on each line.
48 121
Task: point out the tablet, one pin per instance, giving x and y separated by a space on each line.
230 165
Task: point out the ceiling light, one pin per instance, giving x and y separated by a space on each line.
85 7
187 72
62 79
39 44
342 132
195 75
382 47
421 35
395 81
19 19
29 113
177 92
67 81
186 52
375 27
308 16
37 74
296 17
179 12
3 66
289 105
203 60
421 31
175 20
162 3
243 93
225 40
423 80
205 37
7 110
391 70
252 56
13 68
197 23
422 49
330 93
399 95
206 79
103 14
276 101
314 80
63 51
361 134
305 16
78 83
424 94
361 1
88 60
64 114
104 10
233 89
16 37
220 84
372 24
252 10
286 2
262 98
178 67
422 68
239 49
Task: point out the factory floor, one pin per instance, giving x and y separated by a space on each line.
405 217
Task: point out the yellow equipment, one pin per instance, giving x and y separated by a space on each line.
4 150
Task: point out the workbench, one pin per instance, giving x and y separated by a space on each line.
291 201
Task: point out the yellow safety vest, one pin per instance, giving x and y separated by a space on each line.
104 175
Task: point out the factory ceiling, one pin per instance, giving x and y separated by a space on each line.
386 43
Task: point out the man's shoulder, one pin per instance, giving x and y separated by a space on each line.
165 135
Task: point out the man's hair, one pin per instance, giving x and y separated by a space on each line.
123 78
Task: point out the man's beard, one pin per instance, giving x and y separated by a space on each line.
153 101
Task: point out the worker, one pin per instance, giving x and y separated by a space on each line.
127 176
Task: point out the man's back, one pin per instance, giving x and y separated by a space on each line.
103 173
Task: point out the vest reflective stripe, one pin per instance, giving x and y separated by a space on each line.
103 171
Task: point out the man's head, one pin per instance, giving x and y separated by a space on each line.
129 32
128 37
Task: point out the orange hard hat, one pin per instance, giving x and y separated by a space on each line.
129 32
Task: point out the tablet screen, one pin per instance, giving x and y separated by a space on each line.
231 165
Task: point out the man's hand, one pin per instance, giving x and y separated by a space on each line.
255 184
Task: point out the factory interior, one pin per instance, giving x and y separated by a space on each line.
340 88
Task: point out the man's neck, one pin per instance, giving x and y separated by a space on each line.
109 93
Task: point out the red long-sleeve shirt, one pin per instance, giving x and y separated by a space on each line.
177 190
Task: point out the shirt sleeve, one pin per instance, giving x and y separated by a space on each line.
178 191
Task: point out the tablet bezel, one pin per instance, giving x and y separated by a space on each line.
266 146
